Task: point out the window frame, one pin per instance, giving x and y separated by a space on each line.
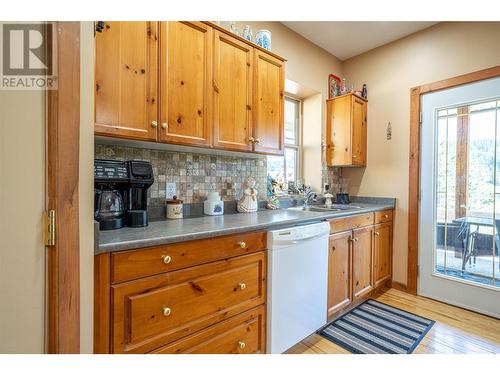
297 146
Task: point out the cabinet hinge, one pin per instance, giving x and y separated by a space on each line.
49 225
418 270
420 118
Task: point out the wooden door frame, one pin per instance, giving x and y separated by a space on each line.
414 169
63 145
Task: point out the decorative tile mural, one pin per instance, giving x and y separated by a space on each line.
193 174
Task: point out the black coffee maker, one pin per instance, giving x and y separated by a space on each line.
120 193
111 183
136 202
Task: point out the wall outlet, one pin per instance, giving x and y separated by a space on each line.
170 190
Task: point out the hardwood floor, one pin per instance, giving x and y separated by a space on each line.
456 330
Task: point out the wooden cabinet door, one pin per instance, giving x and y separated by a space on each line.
268 107
126 80
382 254
358 136
185 83
362 250
339 272
232 93
338 136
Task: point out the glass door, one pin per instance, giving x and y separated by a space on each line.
460 196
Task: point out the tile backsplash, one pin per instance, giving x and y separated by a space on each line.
194 174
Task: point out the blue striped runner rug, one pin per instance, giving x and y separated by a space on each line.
376 328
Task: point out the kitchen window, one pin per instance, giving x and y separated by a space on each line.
285 169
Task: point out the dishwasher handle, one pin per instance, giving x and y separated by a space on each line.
299 240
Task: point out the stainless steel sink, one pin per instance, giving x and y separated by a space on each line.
335 207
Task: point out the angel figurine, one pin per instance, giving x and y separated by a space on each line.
248 201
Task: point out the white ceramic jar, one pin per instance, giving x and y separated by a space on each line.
213 205
174 208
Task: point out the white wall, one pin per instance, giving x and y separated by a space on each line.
22 202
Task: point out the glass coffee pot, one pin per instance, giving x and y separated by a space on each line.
109 209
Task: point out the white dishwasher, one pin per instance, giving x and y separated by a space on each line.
297 275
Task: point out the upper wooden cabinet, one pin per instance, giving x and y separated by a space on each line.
126 81
185 89
190 83
232 86
268 113
346 131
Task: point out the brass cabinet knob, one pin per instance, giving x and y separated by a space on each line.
242 286
354 156
166 259
164 125
356 239
154 124
242 345
377 234
386 216
251 139
167 311
243 244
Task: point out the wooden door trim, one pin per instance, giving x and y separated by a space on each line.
63 144
414 159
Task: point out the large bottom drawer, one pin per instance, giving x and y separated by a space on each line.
242 334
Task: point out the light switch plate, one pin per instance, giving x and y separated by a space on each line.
170 190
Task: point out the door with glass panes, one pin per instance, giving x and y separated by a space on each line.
460 196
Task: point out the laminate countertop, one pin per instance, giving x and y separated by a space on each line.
171 231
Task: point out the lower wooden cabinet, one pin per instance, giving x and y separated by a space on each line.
339 271
201 307
242 334
382 254
360 258
362 249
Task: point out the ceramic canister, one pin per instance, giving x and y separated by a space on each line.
263 39
174 208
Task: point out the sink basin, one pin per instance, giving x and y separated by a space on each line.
334 207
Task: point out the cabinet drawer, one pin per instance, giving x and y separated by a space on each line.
155 311
351 222
383 216
129 265
242 334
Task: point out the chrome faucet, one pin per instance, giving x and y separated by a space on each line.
307 196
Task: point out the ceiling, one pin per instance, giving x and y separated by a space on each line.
348 39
